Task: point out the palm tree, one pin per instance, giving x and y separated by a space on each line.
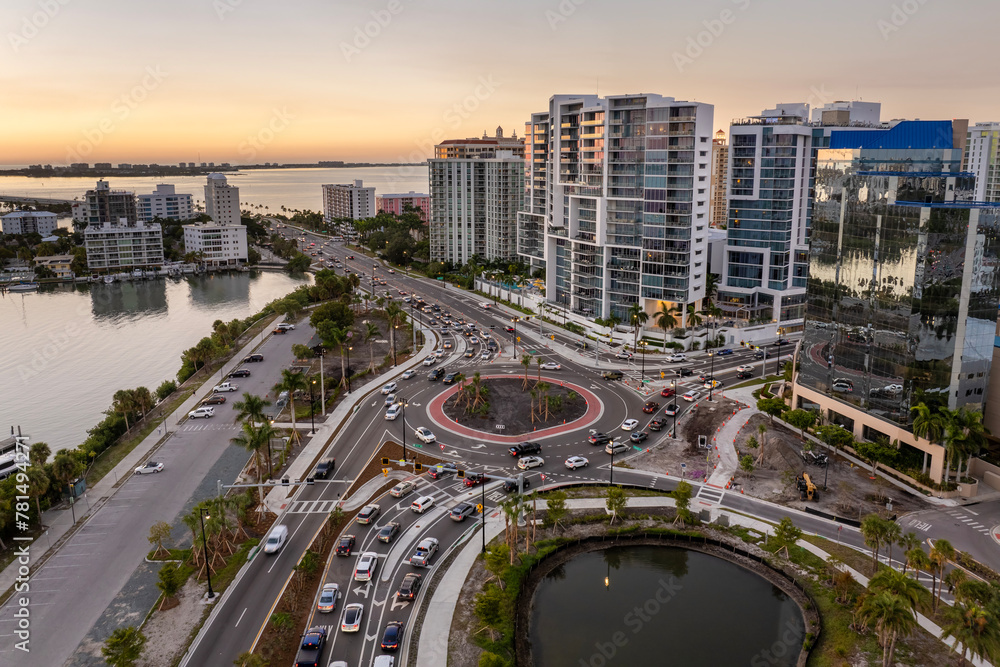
970 436
252 439
538 363
906 543
526 362
371 333
890 536
292 381
941 553
712 286
974 629
917 559
873 530
123 402
892 618
338 336
693 318
895 582
251 408
637 317
666 318
395 316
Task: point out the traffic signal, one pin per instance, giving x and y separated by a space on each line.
743 343
417 467
460 474
385 460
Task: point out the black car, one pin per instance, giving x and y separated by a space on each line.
599 439
638 436
441 470
436 374
324 468
409 586
240 373
392 636
685 372
388 532
346 545
758 355
252 358
524 448
449 378
311 649
743 375
510 486
657 424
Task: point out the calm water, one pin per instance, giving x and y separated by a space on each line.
66 350
274 188
661 606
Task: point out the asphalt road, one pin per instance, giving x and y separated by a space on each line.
72 589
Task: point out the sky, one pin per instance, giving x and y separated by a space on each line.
253 81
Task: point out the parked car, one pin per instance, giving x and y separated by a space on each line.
240 373
204 411
280 330
574 462
524 448
226 387
388 531
352 618
345 545
650 407
368 514
425 550
459 512
528 462
425 435
403 489
409 587
843 387
328 598
311 649
324 468
253 358
149 467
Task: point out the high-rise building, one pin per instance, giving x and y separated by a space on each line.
718 211
218 245
29 222
102 205
395 203
772 160
476 191
112 248
222 201
616 201
165 203
982 157
351 201
904 277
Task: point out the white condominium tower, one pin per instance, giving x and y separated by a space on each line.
982 158
351 201
616 201
222 201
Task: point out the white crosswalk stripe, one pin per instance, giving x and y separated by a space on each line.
710 494
312 507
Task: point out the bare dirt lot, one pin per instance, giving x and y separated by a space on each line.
514 407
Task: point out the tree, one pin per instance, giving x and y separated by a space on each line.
873 532
251 408
942 552
248 659
65 468
292 381
490 607
773 407
787 534
556 506
666 318
159 532
526 362
371 334
842 582
302 351
333 336
875 453
496 561
123 647
169 582
166 388
892 618
637 317
893 581
682 502
38 486
39 453
974 629
800 419
616 500
300 263
282 621
835 435
746 464
253 438
693 318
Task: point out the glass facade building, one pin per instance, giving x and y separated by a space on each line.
901 300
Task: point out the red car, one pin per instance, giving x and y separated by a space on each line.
650 407
472 479
667 392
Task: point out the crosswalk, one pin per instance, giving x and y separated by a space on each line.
312 506
963 515
208 425
710 494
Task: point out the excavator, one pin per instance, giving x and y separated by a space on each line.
807 490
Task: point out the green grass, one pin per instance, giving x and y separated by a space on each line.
757 381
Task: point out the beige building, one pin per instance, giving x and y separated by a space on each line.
58 264
717 207
222 201
351 201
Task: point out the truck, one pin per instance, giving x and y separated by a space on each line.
226 386
422 556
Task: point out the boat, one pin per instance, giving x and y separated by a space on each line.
109 279
23 287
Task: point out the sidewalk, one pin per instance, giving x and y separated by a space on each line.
60 523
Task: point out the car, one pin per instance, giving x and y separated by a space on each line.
743 375
713 384
435 374
672 409
407 299
744 368
849 383
551 366
469 354
623 355
311 648
324 468
758 355
724 352
612 375
328 598
692 396
206 412
409 586
281 331
450 378
473 340
149 467
365 569
667 392
842 387
408 374
599 439
392 636
287 326
459 512
447 344
240 373
425 435
422 556
781 341
368 514
510 486
441 470
616 448
389 388
638 436
430 361
345 545
276 539
705 377
474 478
657 424
524 448
390 400
350 257
403 488
574 462
674 358
353 614
684 372
438 353
629 424
650 407
392 271
388 531
484 356
226 387
528 462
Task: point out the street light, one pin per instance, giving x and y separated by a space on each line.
403 403
711 375
204 545
643 352
396 327
349 348
312 408
777 362
673 384
612 482
270 472
515 320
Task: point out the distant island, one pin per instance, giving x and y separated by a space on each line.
103 169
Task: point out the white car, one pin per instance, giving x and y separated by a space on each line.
574 462
616 448
226 386
629 424
366 566
623 355
551 366
438 353
744 368
352 619
394 411
692 396
430 361
389 388
527 462
204 411
425 435
402 489
286 326
409 374
149 467
672 358
473 340
390 400
485 356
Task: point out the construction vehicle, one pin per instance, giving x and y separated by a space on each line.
807 490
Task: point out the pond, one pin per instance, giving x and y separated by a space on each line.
661 605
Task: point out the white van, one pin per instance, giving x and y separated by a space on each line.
384 661
422 504
276 539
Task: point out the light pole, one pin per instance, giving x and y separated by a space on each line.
515 320
711 381
322 380
673 384
413 322
270 472
395 328
612 482
482 514
312 408
349 348
642 350
402 402
777 361
204 545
